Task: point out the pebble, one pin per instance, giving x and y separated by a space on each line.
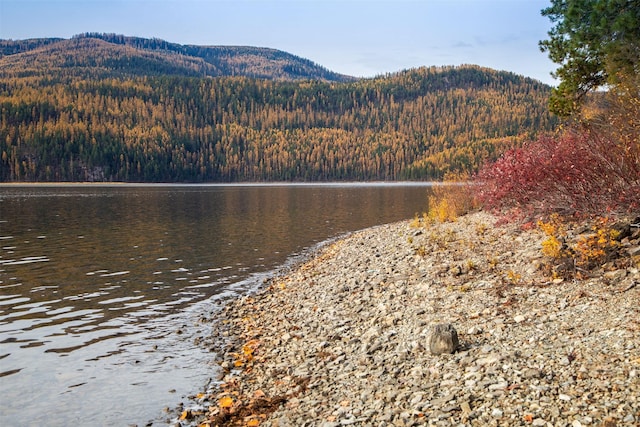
496 413
353 323
519 318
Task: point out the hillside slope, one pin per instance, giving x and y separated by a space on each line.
94 55
417 124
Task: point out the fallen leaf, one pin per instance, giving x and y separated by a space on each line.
225 402
184 415
253 423
528 418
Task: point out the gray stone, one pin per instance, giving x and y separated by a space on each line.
633 250
474 330
444 339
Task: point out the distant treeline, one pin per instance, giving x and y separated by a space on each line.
415 125
97 55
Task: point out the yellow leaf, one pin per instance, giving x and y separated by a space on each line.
225 402
238 363
253 343
184 415
200 395
248 352
253 423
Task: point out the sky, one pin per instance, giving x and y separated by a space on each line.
362 38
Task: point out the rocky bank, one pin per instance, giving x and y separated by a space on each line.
343 339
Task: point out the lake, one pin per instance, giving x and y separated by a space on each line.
103 288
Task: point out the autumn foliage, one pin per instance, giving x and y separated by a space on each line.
414 125
574 256
451 199
584 171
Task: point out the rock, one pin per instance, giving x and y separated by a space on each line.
531 373
444 339
633 250
474 330
615 275
519 318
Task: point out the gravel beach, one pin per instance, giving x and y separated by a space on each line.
343 339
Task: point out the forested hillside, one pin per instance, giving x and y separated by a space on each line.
95 55
416 124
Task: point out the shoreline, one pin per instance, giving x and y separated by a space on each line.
342 338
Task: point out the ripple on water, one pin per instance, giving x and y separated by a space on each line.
116 273
25 260
28 310
93 273
86 296
118 300
12 299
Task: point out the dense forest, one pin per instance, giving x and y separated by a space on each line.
166 127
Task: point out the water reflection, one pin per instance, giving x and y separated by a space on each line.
102 287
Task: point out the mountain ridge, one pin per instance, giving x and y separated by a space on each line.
127 56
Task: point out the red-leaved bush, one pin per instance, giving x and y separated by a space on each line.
579 172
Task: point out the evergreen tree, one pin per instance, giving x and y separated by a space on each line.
596 43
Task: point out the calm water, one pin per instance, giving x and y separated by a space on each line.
102 287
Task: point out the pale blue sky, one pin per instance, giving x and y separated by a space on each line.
362 38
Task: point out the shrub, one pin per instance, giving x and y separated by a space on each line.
581 171
598 247
583 253
452 198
